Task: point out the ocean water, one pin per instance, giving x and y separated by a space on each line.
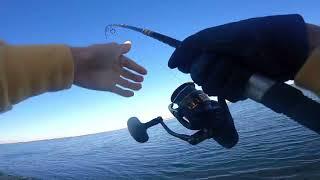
271 146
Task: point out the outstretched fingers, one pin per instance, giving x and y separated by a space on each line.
122 92
130 75
128 84
130 64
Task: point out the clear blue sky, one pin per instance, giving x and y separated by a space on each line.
79 23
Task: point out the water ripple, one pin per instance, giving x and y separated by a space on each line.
271 146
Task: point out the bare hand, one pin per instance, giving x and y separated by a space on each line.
104 67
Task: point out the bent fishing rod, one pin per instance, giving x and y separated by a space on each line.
279 97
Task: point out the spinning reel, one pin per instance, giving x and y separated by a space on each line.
195 111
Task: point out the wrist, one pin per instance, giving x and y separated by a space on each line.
79 58
76 55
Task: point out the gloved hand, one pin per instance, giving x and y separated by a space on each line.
221 59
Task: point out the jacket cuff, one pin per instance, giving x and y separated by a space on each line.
32 70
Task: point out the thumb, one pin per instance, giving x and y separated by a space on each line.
125 47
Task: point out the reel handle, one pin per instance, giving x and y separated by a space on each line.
138 130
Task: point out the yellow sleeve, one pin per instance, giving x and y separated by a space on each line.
26 71
309 75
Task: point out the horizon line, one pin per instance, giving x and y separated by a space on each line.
57 138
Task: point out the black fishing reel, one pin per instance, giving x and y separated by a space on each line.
195 111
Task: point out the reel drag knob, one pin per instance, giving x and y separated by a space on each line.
138 130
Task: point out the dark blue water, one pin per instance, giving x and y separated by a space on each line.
271 146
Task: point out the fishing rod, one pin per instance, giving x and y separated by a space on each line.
216 121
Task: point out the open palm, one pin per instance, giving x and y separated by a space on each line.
104 67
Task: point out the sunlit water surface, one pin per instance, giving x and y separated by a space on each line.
271 146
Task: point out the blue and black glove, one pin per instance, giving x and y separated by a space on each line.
221 59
